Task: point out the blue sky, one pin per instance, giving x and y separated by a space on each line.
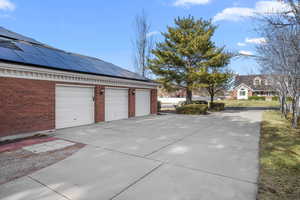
104 29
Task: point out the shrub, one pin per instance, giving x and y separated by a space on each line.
217 106
158 106
257 98
192 109
276 98
194 102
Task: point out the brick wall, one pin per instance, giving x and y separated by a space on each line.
29 105
26 106
250 94
234 94
99 103
131 102
153 101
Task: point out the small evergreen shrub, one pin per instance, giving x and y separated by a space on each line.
257 98
192 109
217 106
194 102
276 98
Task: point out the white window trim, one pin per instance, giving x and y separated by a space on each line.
255 79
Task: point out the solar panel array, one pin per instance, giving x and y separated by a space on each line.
7 33
35 53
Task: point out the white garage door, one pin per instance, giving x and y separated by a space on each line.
142 102
116 104
74 106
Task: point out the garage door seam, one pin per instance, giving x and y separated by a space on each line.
136 181
49 187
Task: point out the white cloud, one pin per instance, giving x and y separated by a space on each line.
152 33
268 7
261 7
7 5
241 44
190 2
246 53
234 14
255 40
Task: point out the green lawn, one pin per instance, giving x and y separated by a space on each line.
279 159
249 103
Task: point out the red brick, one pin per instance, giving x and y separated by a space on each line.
26 106
29 105
131 102
99 103
153 101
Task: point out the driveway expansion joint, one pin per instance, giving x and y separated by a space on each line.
62 195
136 181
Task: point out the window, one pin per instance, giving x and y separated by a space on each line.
242 92
257 81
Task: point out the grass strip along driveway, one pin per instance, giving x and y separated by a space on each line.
249 103
279 159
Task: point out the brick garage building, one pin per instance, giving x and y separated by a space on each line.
43 89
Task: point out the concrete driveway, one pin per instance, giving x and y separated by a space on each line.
167 157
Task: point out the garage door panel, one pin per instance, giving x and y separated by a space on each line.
142 102
116 104
74 106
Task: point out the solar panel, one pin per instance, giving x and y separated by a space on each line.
53 58
7 33
38 54
8 44
9 54
32 58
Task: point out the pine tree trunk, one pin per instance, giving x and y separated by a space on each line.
189 96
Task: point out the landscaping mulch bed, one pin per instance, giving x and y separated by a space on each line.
17 162
279 159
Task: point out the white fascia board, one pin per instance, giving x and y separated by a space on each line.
31 72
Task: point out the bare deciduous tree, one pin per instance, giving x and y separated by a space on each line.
142 44
280 55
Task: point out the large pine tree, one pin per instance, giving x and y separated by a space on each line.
186 53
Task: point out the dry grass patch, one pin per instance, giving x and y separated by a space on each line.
279 159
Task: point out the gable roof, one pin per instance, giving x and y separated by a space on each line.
249 81
242 85
21 49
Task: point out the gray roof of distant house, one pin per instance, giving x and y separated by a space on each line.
21 49
249 81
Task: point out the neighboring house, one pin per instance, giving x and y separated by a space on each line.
43 88
163 93
252 85
179 93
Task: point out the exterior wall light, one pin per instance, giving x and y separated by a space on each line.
101 91
133 92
